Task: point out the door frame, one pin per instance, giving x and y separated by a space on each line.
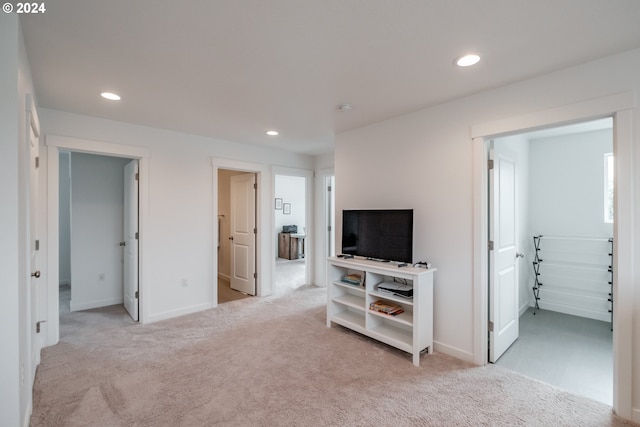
264 223
620 107
308 240
54 145
321 200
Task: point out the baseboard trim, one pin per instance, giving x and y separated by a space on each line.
94 304
27 413
453 351
224 276
635 415
180 312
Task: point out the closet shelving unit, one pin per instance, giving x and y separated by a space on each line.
577 273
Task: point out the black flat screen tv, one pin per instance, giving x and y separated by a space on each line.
385 235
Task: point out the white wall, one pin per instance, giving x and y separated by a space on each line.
567 199
15 264
567 184
11 401
64 220
97 227
429 167
180 232
291 189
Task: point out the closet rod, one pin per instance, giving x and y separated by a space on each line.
594 239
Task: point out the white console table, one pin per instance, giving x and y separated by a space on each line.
348 304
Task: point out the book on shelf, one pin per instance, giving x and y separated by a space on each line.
353 279
386 307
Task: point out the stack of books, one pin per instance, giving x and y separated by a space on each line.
386 307
353 279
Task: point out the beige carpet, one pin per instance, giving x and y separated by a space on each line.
273 362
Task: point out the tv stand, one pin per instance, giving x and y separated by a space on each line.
348 304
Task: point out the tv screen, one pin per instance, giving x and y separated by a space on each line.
385 235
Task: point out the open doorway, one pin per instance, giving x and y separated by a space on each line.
98 264
236 245
290 207
562 239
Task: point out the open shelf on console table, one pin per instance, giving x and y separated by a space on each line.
348 304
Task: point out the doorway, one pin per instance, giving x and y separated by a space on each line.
236 243
565 334
620 107
55 145
291 225
98 226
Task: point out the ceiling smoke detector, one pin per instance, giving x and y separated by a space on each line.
345 108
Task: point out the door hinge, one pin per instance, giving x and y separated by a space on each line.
137 176
490 164
137 294
38 325
255 231
255 186
490 245
37 162
37 245
329 228
490 326
255 275
329 188
137 235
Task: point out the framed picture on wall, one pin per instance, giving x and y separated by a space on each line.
286 208
278 204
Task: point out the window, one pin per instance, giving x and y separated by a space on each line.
608 187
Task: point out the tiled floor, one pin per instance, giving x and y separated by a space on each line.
574 353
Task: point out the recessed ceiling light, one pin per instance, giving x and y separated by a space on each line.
467 60
272 132
110 96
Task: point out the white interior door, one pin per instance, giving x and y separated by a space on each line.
243 233
503 266
34 298
130 242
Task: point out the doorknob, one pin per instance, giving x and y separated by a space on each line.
36 274
519 255
231 238
123 243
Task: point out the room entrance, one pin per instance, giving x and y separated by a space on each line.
237 219
98 233
562 192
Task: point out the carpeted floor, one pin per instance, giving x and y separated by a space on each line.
273 362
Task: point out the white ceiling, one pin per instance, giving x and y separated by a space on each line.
232 69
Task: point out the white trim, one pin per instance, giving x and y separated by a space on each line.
180 312
480 255
618 106
264 268
321 258
309 215
573 113
453 351
54 144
